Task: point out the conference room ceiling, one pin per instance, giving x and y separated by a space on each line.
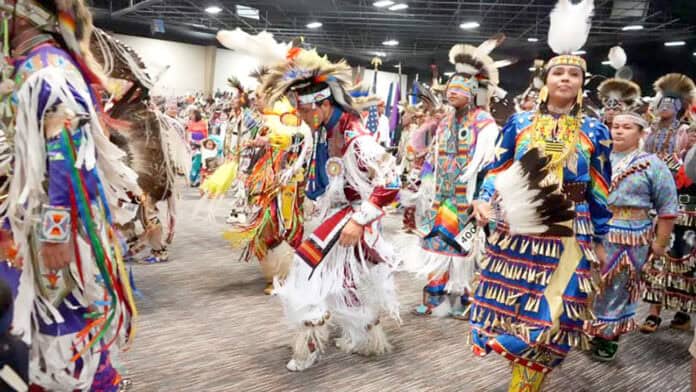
425 30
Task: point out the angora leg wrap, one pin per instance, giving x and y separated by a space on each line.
308 340
277 262
376 343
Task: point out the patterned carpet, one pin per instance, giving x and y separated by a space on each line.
205 325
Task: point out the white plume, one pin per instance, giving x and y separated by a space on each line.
570 25
617 57
261 46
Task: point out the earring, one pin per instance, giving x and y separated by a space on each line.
579 99
543 94
315 121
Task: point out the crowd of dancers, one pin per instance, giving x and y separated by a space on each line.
544 225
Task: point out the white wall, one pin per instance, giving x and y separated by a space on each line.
229 63
186 72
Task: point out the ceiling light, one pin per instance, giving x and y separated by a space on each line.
380 54
247 12
314 25
382 3
391 42
578 53
398 7
694 53
632 28
469 25
675 43
213 9
532 39
607 62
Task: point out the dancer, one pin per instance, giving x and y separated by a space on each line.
275 189
640 182
671 278
464 145
527 101
155 144
74 302
343 271
534 288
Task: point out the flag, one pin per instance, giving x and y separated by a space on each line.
374 82
414 93
394 117
387 106
372 122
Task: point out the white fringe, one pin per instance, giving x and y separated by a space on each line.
26 191
462 269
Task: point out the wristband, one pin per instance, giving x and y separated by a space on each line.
55 224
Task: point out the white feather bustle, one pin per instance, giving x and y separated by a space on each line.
570 25
262 46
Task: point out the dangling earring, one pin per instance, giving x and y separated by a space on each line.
543 95
315 120
579 99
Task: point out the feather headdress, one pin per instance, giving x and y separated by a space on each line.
476 64
569 28
675 86
619 90
303 68
476 61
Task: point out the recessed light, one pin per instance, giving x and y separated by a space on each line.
314 25
532 39
632 28
391 42
382 3
469 25
675 43
213 9
398 7
578 53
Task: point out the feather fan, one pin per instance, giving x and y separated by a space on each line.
529 207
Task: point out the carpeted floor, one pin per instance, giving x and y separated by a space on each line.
205 325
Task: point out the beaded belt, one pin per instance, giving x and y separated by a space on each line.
575 191
629 213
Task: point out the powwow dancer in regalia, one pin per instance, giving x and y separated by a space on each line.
275 188
155 144
464 145
671 278
640 182
535 285
74 302
342 272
